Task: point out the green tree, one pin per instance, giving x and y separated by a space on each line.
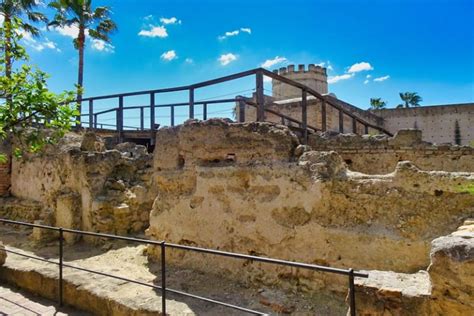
377 103
94 22
410 99
12 10
29 112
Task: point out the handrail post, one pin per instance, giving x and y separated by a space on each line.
91 113
172 115
142 119
152 118
204 111
304 116
341 122
352 303
323 116
120 119
61 239
191 103
366 129
241 111
260 96
95 121
163 278
354 125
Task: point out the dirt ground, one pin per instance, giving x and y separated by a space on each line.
129 260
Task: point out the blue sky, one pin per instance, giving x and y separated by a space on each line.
416 45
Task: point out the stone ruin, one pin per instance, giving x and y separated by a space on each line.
399 208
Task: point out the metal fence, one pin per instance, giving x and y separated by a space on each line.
349 273
93 120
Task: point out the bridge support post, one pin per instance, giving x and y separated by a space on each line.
91 113
191 103
152 118
241 111
304 116
323 116
354 125
260 96
120 119
341 122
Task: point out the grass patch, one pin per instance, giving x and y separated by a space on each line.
466 188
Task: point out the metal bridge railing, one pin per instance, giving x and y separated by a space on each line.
260 104
350 273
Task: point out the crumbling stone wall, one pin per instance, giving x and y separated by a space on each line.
276 199
379 154
84 186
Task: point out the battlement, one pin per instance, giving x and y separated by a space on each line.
314 77
312 68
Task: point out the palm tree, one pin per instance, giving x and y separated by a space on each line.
11 11
410 99
377 103
93 22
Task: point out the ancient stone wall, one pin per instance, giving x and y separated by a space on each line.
438 123
379 154
84 186
269 200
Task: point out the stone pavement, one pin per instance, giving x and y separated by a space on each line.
19 303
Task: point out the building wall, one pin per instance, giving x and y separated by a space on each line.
436 122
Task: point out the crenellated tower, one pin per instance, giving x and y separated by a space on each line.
315 77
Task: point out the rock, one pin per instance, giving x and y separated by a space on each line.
90 142
3 254
391 293
301 149
323 165
406 138
452 272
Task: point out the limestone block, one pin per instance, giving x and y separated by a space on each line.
68 214
452 272
3 254
406 137
388 293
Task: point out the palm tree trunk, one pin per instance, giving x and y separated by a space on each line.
80 74
8 45
8 54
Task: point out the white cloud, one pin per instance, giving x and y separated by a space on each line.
326 65
362 66
36 44
154 31
380 79
335 79
366 81
102 46
235 33
368 76
148 17
2 18
272 62
189 61
172 20
226 59
71 31
267 79
169 55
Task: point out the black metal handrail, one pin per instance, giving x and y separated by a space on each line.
351 273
